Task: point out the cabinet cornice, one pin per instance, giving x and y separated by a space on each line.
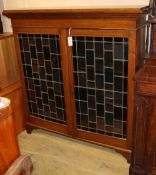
72 13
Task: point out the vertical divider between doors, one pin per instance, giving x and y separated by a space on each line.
71 84
67 73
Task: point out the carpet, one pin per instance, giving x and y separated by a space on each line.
53 154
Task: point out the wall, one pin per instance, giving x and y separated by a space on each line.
24 4
12 4
1 9
1 5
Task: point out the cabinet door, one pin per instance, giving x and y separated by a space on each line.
100 81
44 74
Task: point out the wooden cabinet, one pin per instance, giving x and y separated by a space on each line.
144 143
7 137
10 85
78 67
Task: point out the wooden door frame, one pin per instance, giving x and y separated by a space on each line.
34 122
68 80
119 144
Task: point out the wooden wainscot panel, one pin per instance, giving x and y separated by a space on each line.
16 98
10 85
8 60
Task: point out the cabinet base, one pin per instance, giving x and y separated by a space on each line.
31 126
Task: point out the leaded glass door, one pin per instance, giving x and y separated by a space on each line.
100 80
85 91
45 78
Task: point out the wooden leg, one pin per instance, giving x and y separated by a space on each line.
29 128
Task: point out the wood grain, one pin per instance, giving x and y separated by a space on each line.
116 12
9 149
111 22
10 85
8 70
144 134
14 93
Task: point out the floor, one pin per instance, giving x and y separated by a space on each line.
53 154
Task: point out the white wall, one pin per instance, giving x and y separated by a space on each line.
1 9
27 4
1 5
16 4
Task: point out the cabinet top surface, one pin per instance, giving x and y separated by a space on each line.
109 10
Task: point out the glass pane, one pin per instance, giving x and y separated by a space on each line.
43 76
101 73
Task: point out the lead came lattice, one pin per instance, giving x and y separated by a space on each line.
43 76
100 74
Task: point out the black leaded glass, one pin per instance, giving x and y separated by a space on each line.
43 76
101 73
